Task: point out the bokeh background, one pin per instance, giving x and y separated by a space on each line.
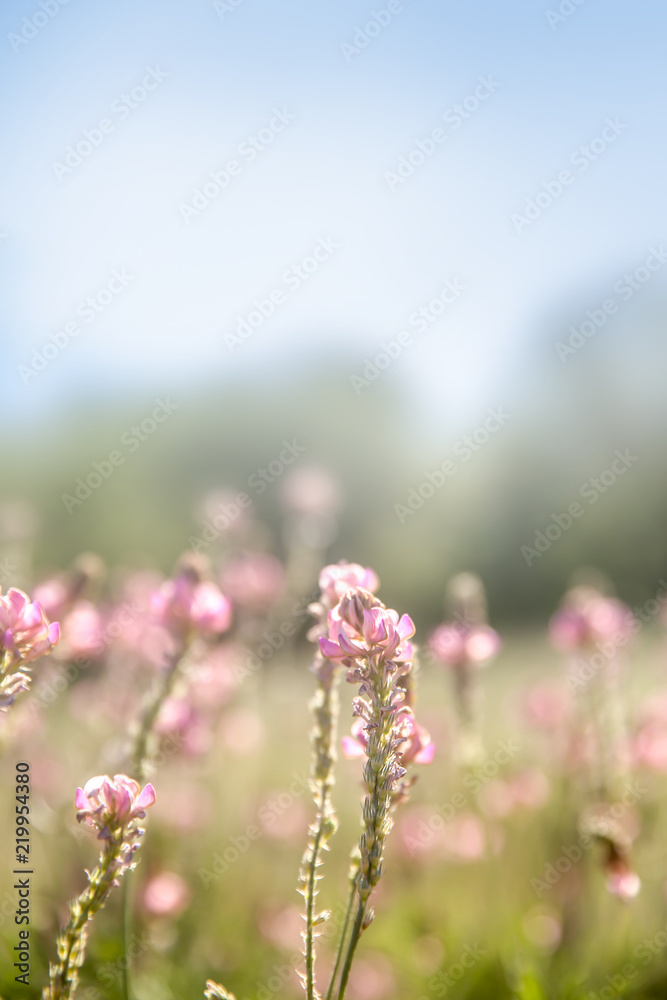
458 277
357 108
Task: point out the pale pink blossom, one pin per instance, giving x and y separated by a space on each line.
184 604
359 632
587 617
416 745
616 832
253 580
176 716
649 746
82 631
210 610
25 632
336 579
456 643
111 803
166 895
185 726
53 595
311 490
463 838
622 881
527 789
216 676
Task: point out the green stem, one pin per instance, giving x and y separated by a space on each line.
125 921
63 977
310 898
139 757
351 948
139 753
324 707
343 935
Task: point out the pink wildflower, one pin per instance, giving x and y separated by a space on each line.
458 643
417 745
112 803
253 580
185 604
82 631
621 880
587 617
311 490
338 578
166 895
357 631
25 633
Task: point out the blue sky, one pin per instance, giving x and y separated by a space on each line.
221 77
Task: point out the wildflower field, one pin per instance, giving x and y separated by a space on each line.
496 808
333 550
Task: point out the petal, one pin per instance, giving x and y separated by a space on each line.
405 627
375 625
348 647
17 600
94 785
351 748
80 800
32 616
331 650
146 798
426 754
130 784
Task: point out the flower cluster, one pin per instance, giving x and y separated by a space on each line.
465 643
25 635
458 643
616 836
588 617
187 604
373 643
337 579
334 581
111 804
253 580
361 628
418 747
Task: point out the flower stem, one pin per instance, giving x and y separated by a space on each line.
64 976
310 899
351 948
125 921
139 758
343 932
139 754
324 707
